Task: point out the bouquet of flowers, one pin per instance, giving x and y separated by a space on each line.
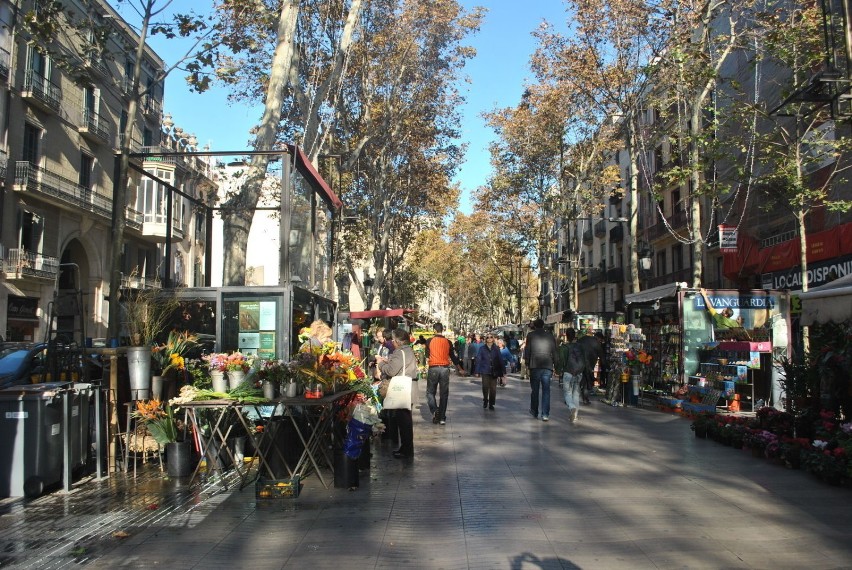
170 354
638 359
216 361
224 362
158 419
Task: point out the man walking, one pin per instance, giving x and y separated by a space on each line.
439 353
540 355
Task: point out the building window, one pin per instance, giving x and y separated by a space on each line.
661 264
32 136
30 231
677 257
151 201
87 164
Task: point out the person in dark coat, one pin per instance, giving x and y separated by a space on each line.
489 366
593 350
540 356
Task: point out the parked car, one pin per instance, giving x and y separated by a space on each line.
20 360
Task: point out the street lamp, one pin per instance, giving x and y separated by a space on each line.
368 286
645 255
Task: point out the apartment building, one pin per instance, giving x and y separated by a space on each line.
59 137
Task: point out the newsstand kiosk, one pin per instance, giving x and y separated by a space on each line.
701 366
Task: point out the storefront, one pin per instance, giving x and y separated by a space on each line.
21 319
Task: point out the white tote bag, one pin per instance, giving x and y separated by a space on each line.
398 396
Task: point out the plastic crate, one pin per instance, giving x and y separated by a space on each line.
272 489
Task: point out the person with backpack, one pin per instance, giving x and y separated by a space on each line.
570 365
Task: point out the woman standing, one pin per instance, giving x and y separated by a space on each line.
401 362
489 366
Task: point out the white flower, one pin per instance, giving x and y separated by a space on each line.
820 444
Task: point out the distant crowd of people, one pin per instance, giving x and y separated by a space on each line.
537 357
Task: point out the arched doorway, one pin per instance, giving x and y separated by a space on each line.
72 298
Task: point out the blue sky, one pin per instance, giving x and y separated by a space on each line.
497 74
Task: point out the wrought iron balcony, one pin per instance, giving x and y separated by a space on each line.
5 62
94 127
616 233
41 92
19 263
134 281
95 62
600 228
152 106
60 191
615 275
587 237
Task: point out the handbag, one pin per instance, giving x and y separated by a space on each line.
398 395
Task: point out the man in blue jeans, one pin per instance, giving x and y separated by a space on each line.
540 356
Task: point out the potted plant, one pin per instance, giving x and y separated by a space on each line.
701 424
216 366
159 420
145 312
169 356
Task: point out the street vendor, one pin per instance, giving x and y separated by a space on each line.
723 320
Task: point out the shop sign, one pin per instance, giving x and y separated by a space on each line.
22 308
737 301
818 274
728 239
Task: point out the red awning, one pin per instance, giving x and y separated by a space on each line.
379 313
307 169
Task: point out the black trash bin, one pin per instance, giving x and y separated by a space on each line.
31 443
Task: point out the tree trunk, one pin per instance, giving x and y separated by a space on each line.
119 191
695 195
239 210
633 201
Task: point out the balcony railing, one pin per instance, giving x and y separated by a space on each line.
41 91
684 274
600 228
615 275
94 127
29 178
140 282
134 147
152 106
96 63
616 233
19 263
5 62
587 237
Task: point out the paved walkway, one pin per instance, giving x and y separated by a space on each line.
622 488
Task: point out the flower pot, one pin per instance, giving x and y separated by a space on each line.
757 452
292 390
235 378
270 389
158 387
179 460
219 382
701 432
139 372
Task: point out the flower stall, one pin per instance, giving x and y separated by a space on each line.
817 442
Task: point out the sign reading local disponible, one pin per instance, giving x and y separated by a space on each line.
727 239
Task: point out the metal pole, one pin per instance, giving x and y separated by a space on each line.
284 225
66 440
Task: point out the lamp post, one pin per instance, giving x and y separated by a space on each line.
368 291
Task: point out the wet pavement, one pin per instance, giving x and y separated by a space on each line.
622 488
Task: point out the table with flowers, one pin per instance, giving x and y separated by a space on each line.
323 394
